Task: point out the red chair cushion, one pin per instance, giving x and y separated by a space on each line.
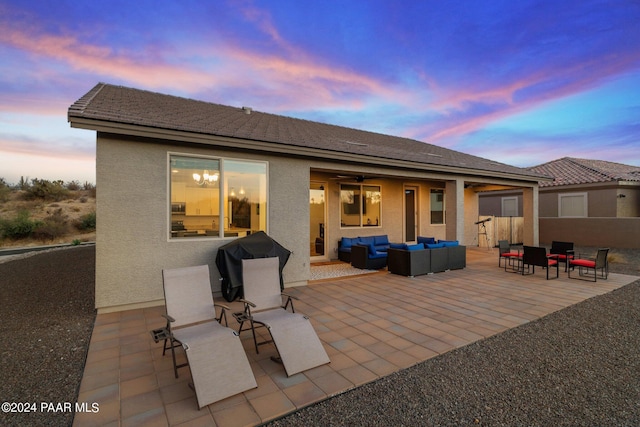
508 254
551 262
584 263
559 256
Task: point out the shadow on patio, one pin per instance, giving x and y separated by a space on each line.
370 325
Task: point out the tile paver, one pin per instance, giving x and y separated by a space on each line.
370 325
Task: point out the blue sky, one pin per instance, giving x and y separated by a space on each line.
520 82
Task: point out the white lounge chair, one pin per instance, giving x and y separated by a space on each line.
218 362
292 333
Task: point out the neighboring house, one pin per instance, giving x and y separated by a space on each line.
178 178
590 202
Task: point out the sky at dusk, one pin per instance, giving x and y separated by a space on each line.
520 82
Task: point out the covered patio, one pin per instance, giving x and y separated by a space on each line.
371 326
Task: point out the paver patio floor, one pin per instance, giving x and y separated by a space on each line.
370 325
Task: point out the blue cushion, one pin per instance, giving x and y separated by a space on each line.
382 248
417 247
381 240
378 255
435 245
426 240
366 241
398 245
347 242
372 249
448 243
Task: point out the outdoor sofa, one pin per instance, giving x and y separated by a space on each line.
418 259
367 257
380 243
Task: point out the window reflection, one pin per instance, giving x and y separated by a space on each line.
217 197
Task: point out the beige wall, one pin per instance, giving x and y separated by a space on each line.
132 245
133 215
595 232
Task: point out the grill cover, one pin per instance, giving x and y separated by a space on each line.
230 256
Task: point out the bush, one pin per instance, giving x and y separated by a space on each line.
5 190
54 226
73 185
87 222
19 227
46 190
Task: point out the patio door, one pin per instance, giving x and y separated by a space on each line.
317 220
410 214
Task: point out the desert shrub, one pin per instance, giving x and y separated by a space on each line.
73 185
90 188
55 225
46 190
5 190
87 222
19 227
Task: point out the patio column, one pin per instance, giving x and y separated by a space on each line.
531 235
454 205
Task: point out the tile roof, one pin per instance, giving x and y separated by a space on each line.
571 171
122 105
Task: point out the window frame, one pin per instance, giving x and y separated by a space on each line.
361 206
221 192
510 198
433 191
585 204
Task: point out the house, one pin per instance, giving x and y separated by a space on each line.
178 178
588 202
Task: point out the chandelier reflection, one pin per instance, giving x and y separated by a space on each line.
206 178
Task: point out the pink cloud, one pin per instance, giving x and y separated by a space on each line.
457 118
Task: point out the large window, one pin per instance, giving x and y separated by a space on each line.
572 205
437 206
360 205
217 197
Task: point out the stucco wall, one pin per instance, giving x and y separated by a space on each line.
596 232
132 246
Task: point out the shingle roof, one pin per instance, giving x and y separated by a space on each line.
117 104
571 171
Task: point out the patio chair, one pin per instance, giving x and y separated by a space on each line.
295 340
219 366
586 264
559 252
537 256
506 253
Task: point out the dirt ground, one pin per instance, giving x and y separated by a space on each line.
78 204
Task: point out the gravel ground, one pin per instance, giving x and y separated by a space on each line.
47 304
579 366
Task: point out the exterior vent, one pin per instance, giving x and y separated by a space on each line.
247 110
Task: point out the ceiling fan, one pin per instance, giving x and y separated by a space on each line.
356 178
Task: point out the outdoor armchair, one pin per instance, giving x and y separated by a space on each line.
561 251
534 256
586 265
506 253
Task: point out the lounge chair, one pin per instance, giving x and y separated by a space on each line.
296 341
585 265
218 362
